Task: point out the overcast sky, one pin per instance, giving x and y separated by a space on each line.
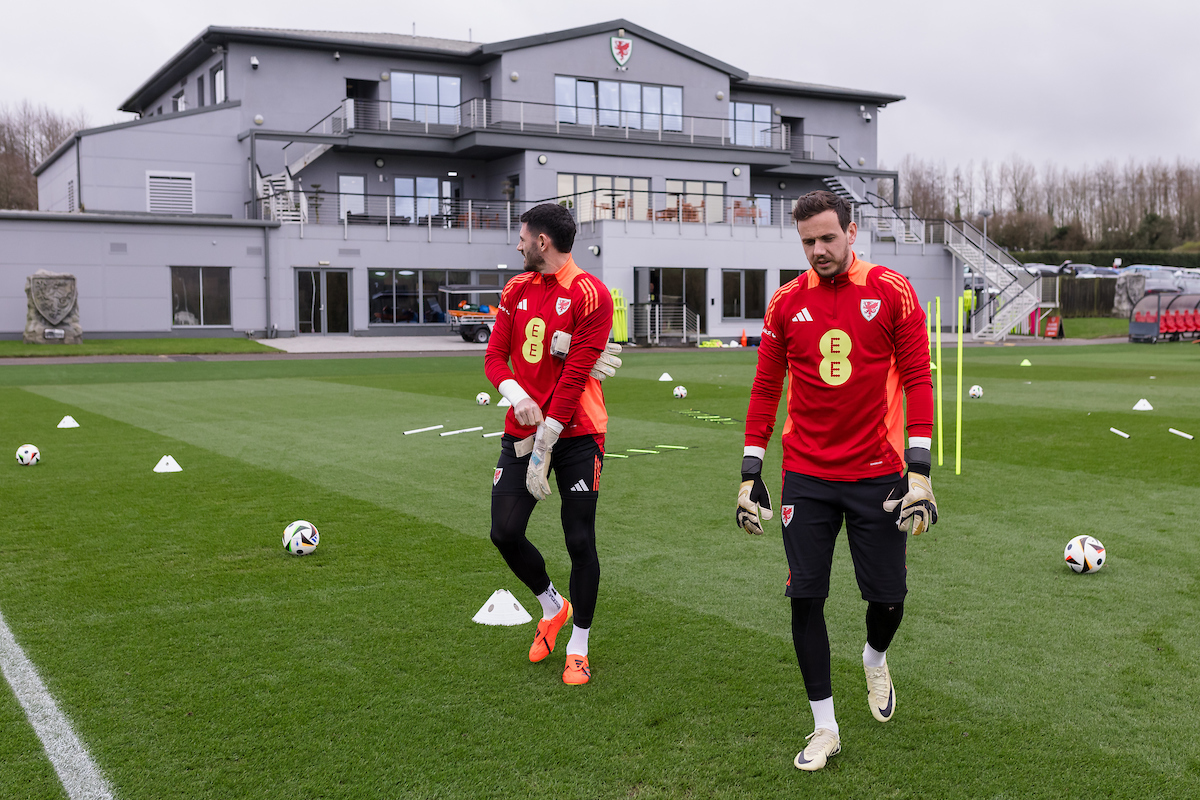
1066 81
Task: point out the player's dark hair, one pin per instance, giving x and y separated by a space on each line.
813 203
553 220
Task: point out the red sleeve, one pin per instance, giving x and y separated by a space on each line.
592 329
495 361
768 381
912 361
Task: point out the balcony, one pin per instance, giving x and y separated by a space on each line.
514 116
442 218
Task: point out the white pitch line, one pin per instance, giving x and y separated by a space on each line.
464 430
422 430
1181 433
1122 434
78 773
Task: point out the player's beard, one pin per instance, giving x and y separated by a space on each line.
831 268
534 261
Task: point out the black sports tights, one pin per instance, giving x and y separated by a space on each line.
811 639
510 517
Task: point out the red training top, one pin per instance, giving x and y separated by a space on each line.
849 343
532 307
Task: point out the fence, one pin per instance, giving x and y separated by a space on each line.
1087 297
656 321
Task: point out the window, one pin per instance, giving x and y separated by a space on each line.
426 98
696 201
750 124
743 293
200 296
604 196
403 296
216 82
170 192
420 198
786 276
352 191
179 101
618 104
200 91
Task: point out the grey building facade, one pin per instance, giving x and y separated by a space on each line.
295 182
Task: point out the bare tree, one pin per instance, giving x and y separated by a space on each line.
28 134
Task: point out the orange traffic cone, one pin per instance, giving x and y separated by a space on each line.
743 337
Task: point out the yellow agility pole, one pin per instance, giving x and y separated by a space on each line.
962 301
939 378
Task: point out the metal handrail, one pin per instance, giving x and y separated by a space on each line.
358 114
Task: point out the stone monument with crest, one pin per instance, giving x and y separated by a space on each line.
53 309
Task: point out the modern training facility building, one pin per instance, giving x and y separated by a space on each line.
286 182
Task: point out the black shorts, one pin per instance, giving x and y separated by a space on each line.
575 461
812 512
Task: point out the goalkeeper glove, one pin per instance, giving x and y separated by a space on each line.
754 501
606 365
537 472
918 508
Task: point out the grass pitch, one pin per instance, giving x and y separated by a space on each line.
198 660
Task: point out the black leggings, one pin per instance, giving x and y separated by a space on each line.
811 639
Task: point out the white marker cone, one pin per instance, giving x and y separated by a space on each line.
68 422
502 609
1143 405
167 464
504 403
666 376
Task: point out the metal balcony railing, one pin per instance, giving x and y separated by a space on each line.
358 115
654 322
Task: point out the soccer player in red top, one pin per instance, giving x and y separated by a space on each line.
553 325
851 338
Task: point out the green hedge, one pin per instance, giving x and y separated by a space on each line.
1104 258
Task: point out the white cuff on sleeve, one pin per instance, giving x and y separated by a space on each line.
758 452
512 390
920 441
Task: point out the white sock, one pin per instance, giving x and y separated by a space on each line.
873 657
822 711
579 641
551 602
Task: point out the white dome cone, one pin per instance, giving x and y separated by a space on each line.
1143 405
68 422
666 376
167 464
502 609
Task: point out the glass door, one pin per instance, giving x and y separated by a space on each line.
322 301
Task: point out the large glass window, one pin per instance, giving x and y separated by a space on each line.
618 104
217 83
419 198
352 195
426 98
200 296
750 124
695 201
743 293
604 196
403 296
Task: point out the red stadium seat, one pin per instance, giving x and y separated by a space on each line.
1151 316
1168 322
1139 316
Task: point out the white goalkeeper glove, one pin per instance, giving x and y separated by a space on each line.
537 472
754 501
606 365
918 508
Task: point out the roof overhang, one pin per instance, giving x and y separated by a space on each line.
816 90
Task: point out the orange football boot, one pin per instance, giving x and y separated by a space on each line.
577 671
547 632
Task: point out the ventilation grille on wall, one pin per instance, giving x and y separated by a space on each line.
254 251
349 251
118 247
71 196
170 193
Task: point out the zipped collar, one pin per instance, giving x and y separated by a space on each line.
564 276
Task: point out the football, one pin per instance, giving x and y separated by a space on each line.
483 399
28 455
1085 554
976 392
679 392
300 538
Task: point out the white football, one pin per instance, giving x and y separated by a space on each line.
28 455
300 538
679 392
1085 554
483 399
976 391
